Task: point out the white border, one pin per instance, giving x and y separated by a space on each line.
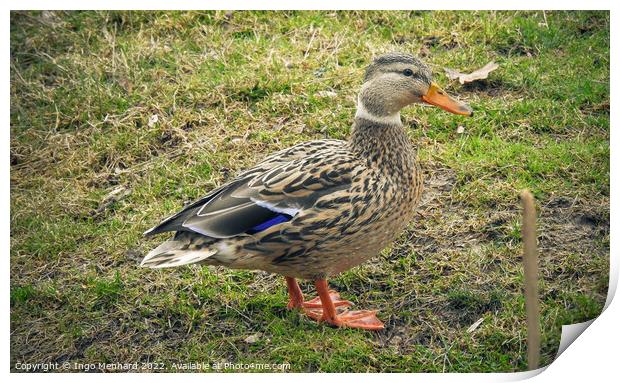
309 4
592 357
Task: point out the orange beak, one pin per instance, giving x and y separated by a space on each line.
436 96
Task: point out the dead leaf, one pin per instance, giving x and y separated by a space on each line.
452 74
253 338
474 326
153 120
478 74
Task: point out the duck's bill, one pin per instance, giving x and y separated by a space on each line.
436 96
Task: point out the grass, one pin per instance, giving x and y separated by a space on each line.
228 88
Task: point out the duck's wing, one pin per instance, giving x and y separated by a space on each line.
299 151
264 195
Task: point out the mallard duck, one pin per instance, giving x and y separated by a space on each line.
320 207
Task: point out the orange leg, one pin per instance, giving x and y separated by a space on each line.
363 319
296 298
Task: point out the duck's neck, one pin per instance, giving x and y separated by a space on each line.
382 141
368 114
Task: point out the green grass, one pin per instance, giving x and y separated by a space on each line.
227 89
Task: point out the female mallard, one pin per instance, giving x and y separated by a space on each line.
319 207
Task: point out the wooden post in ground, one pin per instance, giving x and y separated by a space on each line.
530 265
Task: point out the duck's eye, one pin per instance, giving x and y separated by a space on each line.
408 72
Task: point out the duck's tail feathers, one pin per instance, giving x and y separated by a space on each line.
175 252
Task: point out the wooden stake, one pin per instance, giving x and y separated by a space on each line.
530 265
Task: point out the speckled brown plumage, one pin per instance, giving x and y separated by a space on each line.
375 184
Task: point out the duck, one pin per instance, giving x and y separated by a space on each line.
321 207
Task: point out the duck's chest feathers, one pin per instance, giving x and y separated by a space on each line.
388 189
390 160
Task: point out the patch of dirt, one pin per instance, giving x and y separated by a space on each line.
563 224
490 87
566 229
436 208
466 307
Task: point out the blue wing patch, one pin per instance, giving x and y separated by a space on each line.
267 224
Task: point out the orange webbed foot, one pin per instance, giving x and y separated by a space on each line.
328 307
335 297
362 319
338 314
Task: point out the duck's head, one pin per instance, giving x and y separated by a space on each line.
396 80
